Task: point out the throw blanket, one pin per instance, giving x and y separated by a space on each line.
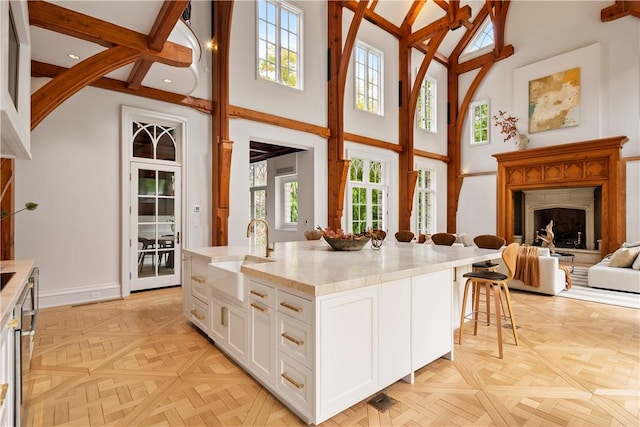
528 266
567 276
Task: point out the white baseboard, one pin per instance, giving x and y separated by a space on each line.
80 295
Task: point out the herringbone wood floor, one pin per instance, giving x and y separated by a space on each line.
138 362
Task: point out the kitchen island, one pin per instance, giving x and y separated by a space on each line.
321 329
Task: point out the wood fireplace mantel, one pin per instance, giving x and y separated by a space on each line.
578 164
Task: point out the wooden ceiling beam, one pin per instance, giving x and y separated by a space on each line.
64 21
413 13
165 22
40 69
457 19
620 9
59 89
374 18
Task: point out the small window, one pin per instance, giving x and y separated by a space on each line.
258 191
426 107
425 202
479 122
368 79
279 43
483 39
155 142
368 191
288 201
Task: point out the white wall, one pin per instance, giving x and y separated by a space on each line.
74 176
610 90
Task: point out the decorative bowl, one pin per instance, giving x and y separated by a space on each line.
354 244
313 234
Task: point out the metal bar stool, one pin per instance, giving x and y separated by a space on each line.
497 282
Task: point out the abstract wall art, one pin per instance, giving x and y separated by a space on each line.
554 101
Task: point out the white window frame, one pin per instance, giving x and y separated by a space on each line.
368 186
422 193
472 123
279 5
428 97
368 50
473 50
281 202
259 234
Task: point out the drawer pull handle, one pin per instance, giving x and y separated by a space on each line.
223 316
197 314
292 339
254 305
199 279
291 307
3 393
263 296
292 381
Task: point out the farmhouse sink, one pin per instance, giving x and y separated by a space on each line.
226 277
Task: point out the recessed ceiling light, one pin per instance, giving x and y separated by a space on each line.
73 56
167 80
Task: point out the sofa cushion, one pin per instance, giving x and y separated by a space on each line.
630 244
624 257
636 263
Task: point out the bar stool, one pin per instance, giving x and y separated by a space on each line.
497 282
486 241
445 239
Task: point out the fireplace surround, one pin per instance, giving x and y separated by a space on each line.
596 163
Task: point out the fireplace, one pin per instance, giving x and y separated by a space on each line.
572 210
595 164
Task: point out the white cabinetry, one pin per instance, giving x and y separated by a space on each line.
7 374
229 327
262 327
195 295
432 317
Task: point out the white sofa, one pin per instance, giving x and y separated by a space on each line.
552 278
619 271
614 278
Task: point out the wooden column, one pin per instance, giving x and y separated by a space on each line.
596 163
7 204
222 146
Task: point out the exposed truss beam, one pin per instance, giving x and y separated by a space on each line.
452 20
64 21
620 9
40 69
166 20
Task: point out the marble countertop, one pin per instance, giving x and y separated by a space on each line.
10 294
313 267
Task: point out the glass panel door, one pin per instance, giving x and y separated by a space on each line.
155 226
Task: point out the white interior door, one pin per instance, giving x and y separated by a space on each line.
155 226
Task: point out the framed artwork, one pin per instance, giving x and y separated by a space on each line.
554 101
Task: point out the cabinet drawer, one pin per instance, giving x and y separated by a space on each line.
295 306
263 293
295 339
295 383
199 280
200 314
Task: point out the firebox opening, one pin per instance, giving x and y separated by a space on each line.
569 226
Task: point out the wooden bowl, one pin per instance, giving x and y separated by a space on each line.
313 234
355 244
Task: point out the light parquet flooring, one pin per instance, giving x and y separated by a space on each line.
138 362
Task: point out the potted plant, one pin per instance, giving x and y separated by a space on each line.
507 124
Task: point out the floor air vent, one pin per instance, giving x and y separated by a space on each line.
381 402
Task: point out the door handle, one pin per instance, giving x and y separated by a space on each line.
178 238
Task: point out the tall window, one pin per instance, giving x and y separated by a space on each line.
258 190
479 122
426 108
279 42
367 189
288 201
425 201
368 79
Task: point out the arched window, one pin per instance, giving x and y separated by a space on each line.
155 142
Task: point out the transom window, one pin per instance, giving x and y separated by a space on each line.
479 122
426 107
425 201
368 79
279 43
367 190
152 141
